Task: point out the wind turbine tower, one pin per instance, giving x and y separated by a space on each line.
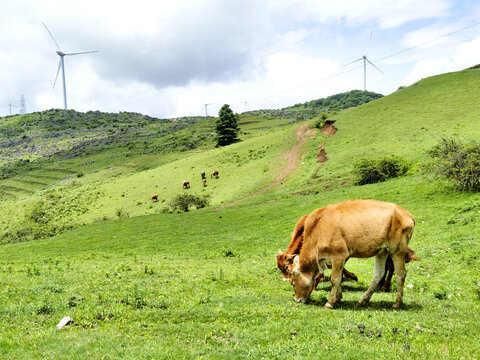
61 65
365 60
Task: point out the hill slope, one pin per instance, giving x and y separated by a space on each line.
204 284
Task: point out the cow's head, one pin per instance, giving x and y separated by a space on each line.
302 283
285 264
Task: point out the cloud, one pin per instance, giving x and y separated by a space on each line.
168 58
465 55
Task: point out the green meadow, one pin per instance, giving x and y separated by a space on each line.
140 282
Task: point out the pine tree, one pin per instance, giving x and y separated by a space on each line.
226 126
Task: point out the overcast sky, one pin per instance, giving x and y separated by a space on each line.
170 58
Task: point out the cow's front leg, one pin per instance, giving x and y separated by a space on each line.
378 271
336 279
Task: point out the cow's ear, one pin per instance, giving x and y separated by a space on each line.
296 266
279 252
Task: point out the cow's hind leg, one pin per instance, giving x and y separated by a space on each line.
378 271
336 279
399 263
385 283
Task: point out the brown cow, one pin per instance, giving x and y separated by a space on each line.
186 184
214 174
285 260
204 182
358 228
155 197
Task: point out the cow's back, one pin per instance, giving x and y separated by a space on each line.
360 228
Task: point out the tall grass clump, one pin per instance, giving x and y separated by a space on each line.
378 170
458 162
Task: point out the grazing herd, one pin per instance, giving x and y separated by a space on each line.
329 236
186 183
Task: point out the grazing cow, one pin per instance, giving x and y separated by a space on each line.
203 175
285 260
204 182
358 228
155 197
214 174
186 184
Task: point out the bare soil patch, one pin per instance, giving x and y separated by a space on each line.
328 128
322 154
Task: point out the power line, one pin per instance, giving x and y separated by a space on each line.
377 60
428 42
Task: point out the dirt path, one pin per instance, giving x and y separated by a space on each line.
293 157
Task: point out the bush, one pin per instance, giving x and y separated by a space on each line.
379 170
319 122
182 202
458 162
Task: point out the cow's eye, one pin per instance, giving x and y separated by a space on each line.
285 267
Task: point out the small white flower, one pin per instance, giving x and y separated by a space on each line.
410 286
428 275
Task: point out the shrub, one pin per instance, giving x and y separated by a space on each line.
379 170
182 202
319 122
458 162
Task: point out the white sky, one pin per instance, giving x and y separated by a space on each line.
169 58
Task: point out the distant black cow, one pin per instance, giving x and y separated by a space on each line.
214 174
186 184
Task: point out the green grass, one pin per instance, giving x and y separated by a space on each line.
212 289
204 284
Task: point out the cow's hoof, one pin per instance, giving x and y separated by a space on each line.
328 306
397 306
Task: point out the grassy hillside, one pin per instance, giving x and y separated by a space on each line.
204 284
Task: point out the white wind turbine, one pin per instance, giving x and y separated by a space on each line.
62 65
365 59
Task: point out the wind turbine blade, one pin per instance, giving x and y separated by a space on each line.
353 61
375 66
58 47
369 41
58 70
81 52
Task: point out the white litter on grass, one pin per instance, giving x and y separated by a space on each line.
67 320
410 286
